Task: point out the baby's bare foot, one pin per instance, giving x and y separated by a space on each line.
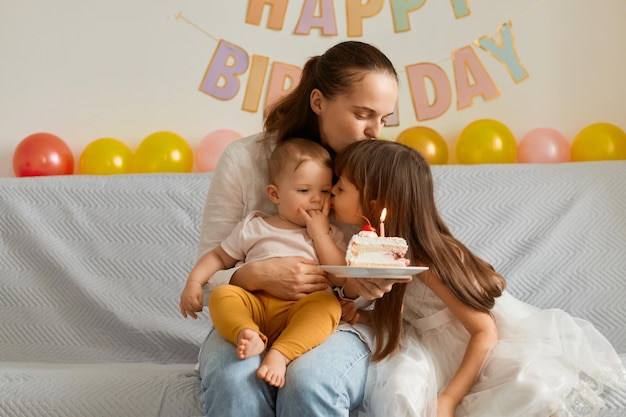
249 344
273 368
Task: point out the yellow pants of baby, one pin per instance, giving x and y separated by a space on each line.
291 327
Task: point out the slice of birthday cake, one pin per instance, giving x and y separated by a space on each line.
370 250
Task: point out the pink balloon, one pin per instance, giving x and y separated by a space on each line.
42 154
543 145
211 147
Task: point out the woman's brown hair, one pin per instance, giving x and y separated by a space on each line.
334 73
397 177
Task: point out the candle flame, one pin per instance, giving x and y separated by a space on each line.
383 215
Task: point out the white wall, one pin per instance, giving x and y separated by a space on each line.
83 69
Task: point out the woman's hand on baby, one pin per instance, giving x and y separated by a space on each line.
288 278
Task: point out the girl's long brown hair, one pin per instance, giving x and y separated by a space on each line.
397 177
334 73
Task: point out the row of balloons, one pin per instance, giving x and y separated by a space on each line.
47 154
481 142
490 141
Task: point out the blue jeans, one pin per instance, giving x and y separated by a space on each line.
326 381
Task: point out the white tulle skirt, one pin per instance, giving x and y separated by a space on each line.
546 363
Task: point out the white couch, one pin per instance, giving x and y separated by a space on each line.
91 269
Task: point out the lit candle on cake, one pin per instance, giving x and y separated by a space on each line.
383 216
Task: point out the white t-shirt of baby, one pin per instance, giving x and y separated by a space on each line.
254 239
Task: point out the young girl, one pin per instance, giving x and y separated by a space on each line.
468 348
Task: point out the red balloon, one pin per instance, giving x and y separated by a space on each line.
42 154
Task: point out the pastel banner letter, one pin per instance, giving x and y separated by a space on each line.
467 65
283 78
418 75
220 80
256 78
356 11
400 10
278 9
504 51
326 21
461 9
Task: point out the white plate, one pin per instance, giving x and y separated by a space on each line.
373 272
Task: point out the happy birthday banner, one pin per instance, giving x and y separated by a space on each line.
470 78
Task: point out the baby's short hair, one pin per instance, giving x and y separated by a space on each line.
291 153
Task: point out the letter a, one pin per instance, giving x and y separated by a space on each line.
326 21
466 64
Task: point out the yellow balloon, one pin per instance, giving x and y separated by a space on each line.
599 142
105 156
426 141
486 141
163 152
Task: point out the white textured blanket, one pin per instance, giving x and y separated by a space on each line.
91 269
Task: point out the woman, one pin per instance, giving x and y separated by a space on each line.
344 95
